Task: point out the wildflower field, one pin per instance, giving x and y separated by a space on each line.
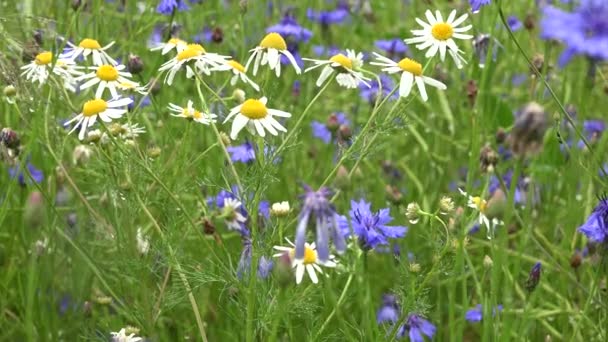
323 170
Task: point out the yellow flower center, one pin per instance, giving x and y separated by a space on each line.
342 60
481 204
273 41
442 31
175 41
236 65
254 109
94 107
411 66
107 73
310 255
44 58
192 50
90 44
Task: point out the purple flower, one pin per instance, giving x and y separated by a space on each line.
584 31
320 131
167 7
371 93
596 227
264 264
395 48
290 30
514 23
417 327
372 228
23 178
324 131
476 314
533 277
593 130
389 311
476 4
242 153
326 18
325 51
317 204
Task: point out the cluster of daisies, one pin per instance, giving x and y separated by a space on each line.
109 78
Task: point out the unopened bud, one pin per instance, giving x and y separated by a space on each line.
393 194
9 138
155 86
472 90
576 259
415 267
488 159
283 270
154 151
530 22
332 122
280 209
345 132
501 135
208 226
82 154
34 210
487 262
135 64
94 136
412 212
243 6
446 205
225 139
10 91
217 35
533 277
239 95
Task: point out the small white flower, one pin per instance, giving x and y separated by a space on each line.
257 117
202 61
310 263
40 68
344 66
143 245
189 112
131 131
269 52
411 71
238 71
235 219
438 36
173 43
280 208
107 76
481 206
122 336
88 47
105 110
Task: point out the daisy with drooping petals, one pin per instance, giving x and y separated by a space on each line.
39 69
438 36
107 76
173 43
105 110
254 114
411 71
269 52
345 66
189 112
238 71
203 62
481 205
310 262
91 47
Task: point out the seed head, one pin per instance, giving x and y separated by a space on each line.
412 212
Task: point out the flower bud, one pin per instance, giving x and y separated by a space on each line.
217 35
446 205
33 213
154 151
239 95
530 22
9 91
487 262
225 139
576 259
415 267
393 194
82 154
9 138
488 158
345 132
533 277
155 86
135 65
342 178
283 270
526 136
94 136
412 212
332 122
208 226
280 209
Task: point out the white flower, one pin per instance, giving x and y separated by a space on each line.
105 110
189 112
234 218
39 69
280 208
411 71
310 263
203 62
438 36
143 245
107 76
238 71
254 114
122 336
345 66
481 206
88 47
173 43
131 131
269 52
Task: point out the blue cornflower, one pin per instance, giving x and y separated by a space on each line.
476 4
476 314
520 187
167 7
145 102
534 277
325 51
371 227
317 203
584 31
265 265
417 326
596 226
371 93
395 48
326 18
23 178
514 23
325 131
320 131
389 311
593 130
242 153
290 30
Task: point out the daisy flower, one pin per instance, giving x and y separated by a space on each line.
254 114
122 336
202 62
189 112
411 71
310 262
269 52
107 76
481 205
438 36
238 71
232 214
105 110
39 69
88 47
173 43
345 66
